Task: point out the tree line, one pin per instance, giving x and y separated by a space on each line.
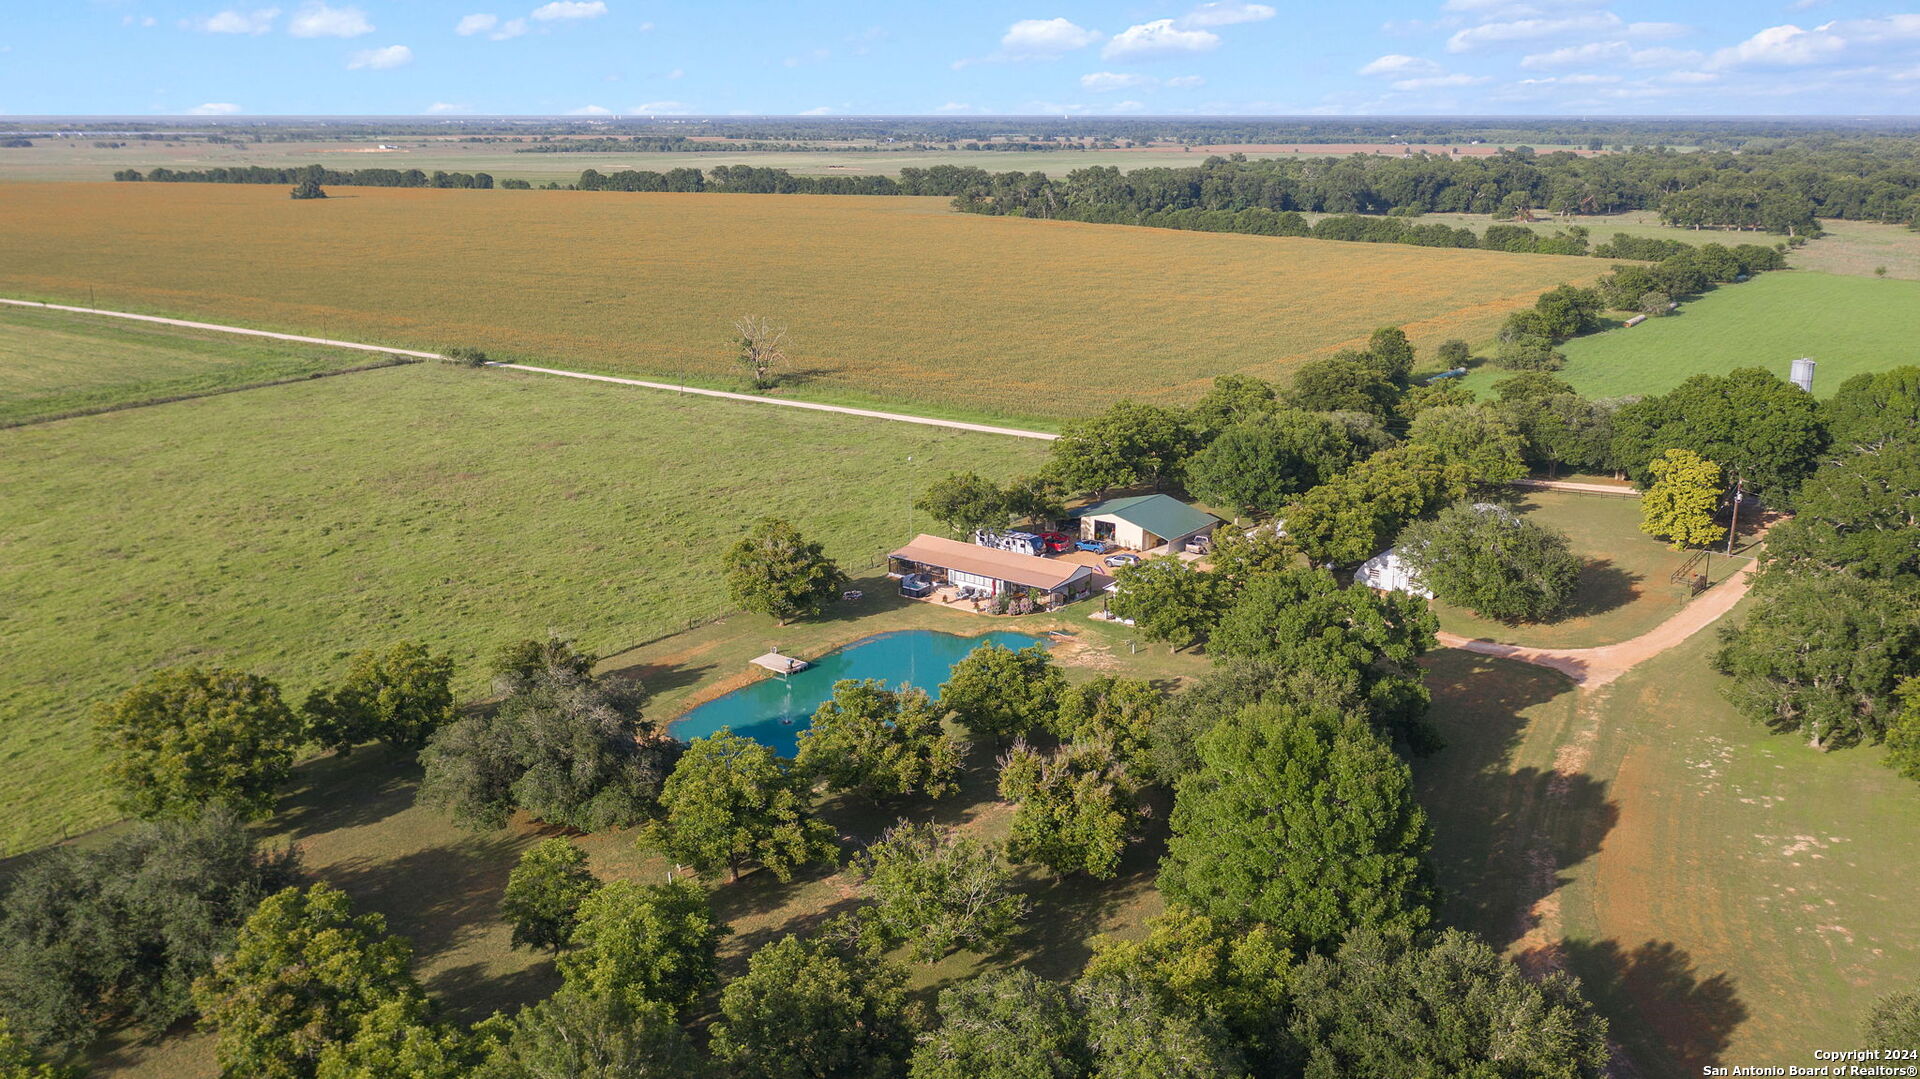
315 174
1780 191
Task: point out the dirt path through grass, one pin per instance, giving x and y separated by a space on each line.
1592 668
897 417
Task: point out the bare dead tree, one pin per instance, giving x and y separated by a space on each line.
763 349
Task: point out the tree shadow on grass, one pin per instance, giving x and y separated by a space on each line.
471 992
660 678
1603 587
1503 835
1673 1020
331 793
439 897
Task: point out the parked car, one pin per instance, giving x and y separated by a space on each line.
1122 560
1096 546
1056 542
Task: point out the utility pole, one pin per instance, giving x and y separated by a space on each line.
1739 487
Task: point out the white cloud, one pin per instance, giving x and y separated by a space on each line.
667 108
384 59
955 106
1101 82
1783 46
1436 82
1224 13
1517 9
645 27
1398 64
214 108
590 110
1688 78
1043 39
676 73
470 25
1594 52
1186 82
1661 56
444 108
237 22
1158 38
318 20
569 9
1532 29
817 110
512 28
142 20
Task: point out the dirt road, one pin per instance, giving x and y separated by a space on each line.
894 417
1594 667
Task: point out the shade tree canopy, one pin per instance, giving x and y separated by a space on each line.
544 893
189 736
1680 504
938 892
1073 809
775 571
1005 1024
1302 820
879 743
1859 513
644 945
1763 430
999 694
813 1009
1493 562
1353 517
565 747
1823 653
1260 461
302 977
731 803
1130 443
1167 599
114 935
399 695
1473 437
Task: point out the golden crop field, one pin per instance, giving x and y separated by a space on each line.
889 299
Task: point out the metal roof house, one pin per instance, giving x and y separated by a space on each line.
1389 572
992 570
1144 522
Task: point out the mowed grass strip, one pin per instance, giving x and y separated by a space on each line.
55 363
890 299
1726 895
280 529
1850 325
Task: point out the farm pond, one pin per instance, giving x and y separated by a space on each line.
773 711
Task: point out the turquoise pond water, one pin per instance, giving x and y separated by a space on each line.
775 710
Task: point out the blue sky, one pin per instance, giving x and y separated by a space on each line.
493 57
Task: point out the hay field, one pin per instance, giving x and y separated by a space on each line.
282 528
889 299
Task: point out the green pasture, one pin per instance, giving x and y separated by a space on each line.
53 363
280 529
1849 325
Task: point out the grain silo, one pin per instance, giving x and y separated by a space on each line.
1803 374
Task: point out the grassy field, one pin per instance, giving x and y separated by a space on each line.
1623 584
1859 248
54 363
79 159
1849 324
887 298
282 528
1727 896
